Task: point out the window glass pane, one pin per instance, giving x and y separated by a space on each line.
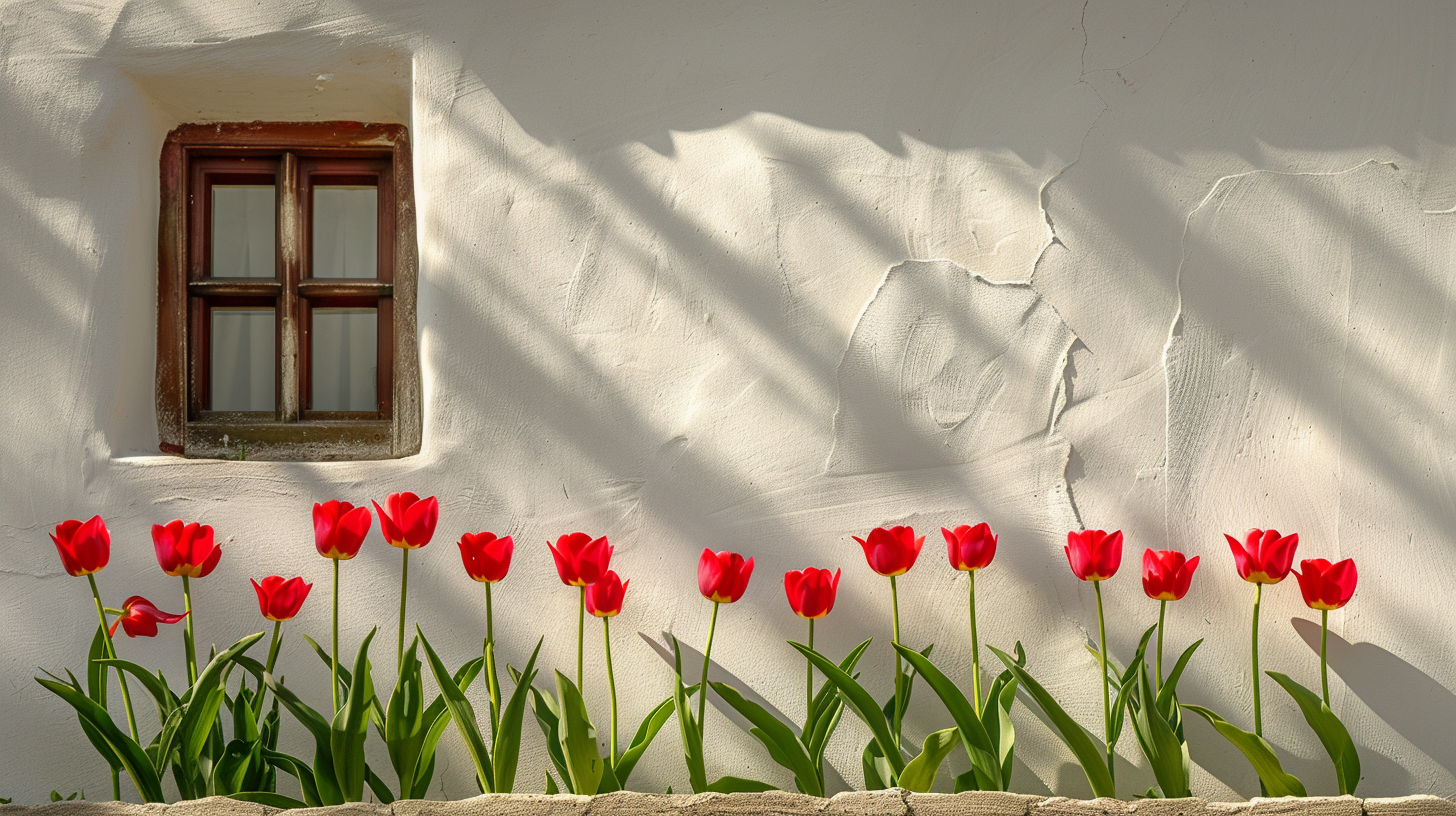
345 231
345 360
242 360
243 225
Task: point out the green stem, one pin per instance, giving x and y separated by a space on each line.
115 785
975 648
580 639
895 608
268 669
490 666
335 675
1254 651
1106 692
403 594
189 641
1324 665
120 676
611 683
1158 679
703 684
809 685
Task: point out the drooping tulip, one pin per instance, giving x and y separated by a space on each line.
604 598
892 551
139 618
84 546
1264 556
811 592
723 576
1094 555
185 550
279 599
1167 574
339 529
409 523
580 559
487 557
1326 586
970 548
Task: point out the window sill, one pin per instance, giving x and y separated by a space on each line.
310 441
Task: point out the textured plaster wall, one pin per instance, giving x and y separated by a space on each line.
761 276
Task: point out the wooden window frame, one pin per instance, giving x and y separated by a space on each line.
193 156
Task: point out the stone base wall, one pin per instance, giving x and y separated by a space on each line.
874 803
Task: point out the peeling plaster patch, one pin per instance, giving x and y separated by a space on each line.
944 366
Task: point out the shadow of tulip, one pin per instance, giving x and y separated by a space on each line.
1414 704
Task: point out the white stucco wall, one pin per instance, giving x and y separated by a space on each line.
762 276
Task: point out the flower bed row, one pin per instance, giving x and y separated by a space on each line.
217 739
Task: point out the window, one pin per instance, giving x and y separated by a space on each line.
286 296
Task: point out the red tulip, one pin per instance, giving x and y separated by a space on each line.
1264 557
339 529
580 559
487 558
1166 574
1094 555
723 577
185 550
139 618
410 522
970 548
811 591
604 598
85 546
280 600
891 552
1327 586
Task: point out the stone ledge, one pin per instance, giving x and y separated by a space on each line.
775 803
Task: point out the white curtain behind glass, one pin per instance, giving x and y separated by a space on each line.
345 231
345 360
242 360
243 226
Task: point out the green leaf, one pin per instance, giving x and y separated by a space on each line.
920 772
1166 753
692 741
1259 753
204 699
578 739
438 716
350 728
323 775
876 769
782 744
1331 732
1167 703
377 786
273 800
136 762
651 724
735 784
506 744
463 715
996 718
826 697
300 771
405 726
861 703
548 716
979 748
1089 755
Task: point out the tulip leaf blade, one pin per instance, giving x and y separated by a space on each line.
920 772
1073 735
692 739
405 724
464 716
203 701
1277 782
438 717
133 759
1167 695
826 697
300 771
861 703
548 716
737 784
782 743
578 739
996 718
1331 732
1167 754
972 732
350 728
506 743
646 732
876 768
